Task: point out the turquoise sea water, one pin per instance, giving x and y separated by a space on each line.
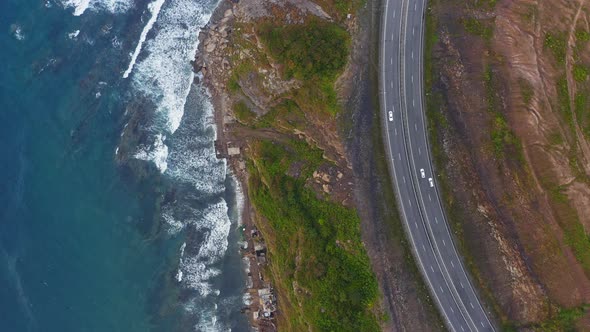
94 236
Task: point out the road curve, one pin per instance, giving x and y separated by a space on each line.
408 153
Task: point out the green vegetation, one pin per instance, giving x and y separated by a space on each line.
581 100
555 138
580 105
580 73
285 115
239 71
582 110
577 239
485 4
526 90
478 28
565 320
243 113
566 215
315 53
556 42
563 100
317 244
502 136
582 35
317 262
315 50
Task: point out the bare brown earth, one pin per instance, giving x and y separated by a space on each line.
349 140
520 205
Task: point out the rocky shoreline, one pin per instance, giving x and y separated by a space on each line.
260 302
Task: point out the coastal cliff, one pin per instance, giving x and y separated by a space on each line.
293 93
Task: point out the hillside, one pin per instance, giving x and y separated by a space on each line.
292 91
510 119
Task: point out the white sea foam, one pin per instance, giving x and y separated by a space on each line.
73 34
157 153
17 31
166 74
154 8
116 43
79 6
112 6
192 158
196 268
182 247
208 321
239 199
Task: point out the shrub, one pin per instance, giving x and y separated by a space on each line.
312 50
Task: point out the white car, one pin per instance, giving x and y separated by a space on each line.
422 173
431 181
390 116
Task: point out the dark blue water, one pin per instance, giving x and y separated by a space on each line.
91 240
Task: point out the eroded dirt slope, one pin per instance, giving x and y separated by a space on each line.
512 118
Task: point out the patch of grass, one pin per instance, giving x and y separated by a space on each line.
233 85
526 90
582 110
575 235
582 35
555 138
318 244
286 114
580 104
484 4
564 102
488 76
243 113
564 320
239 71
502 136
580 73
575 164
577 239
478 28
558 194
556 42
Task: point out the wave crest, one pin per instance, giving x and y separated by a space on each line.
112 6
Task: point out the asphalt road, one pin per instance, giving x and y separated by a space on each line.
408 151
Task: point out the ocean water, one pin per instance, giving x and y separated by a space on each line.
115 214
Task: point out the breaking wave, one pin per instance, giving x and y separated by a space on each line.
165 74
157 153
154 8
112 6
196 268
